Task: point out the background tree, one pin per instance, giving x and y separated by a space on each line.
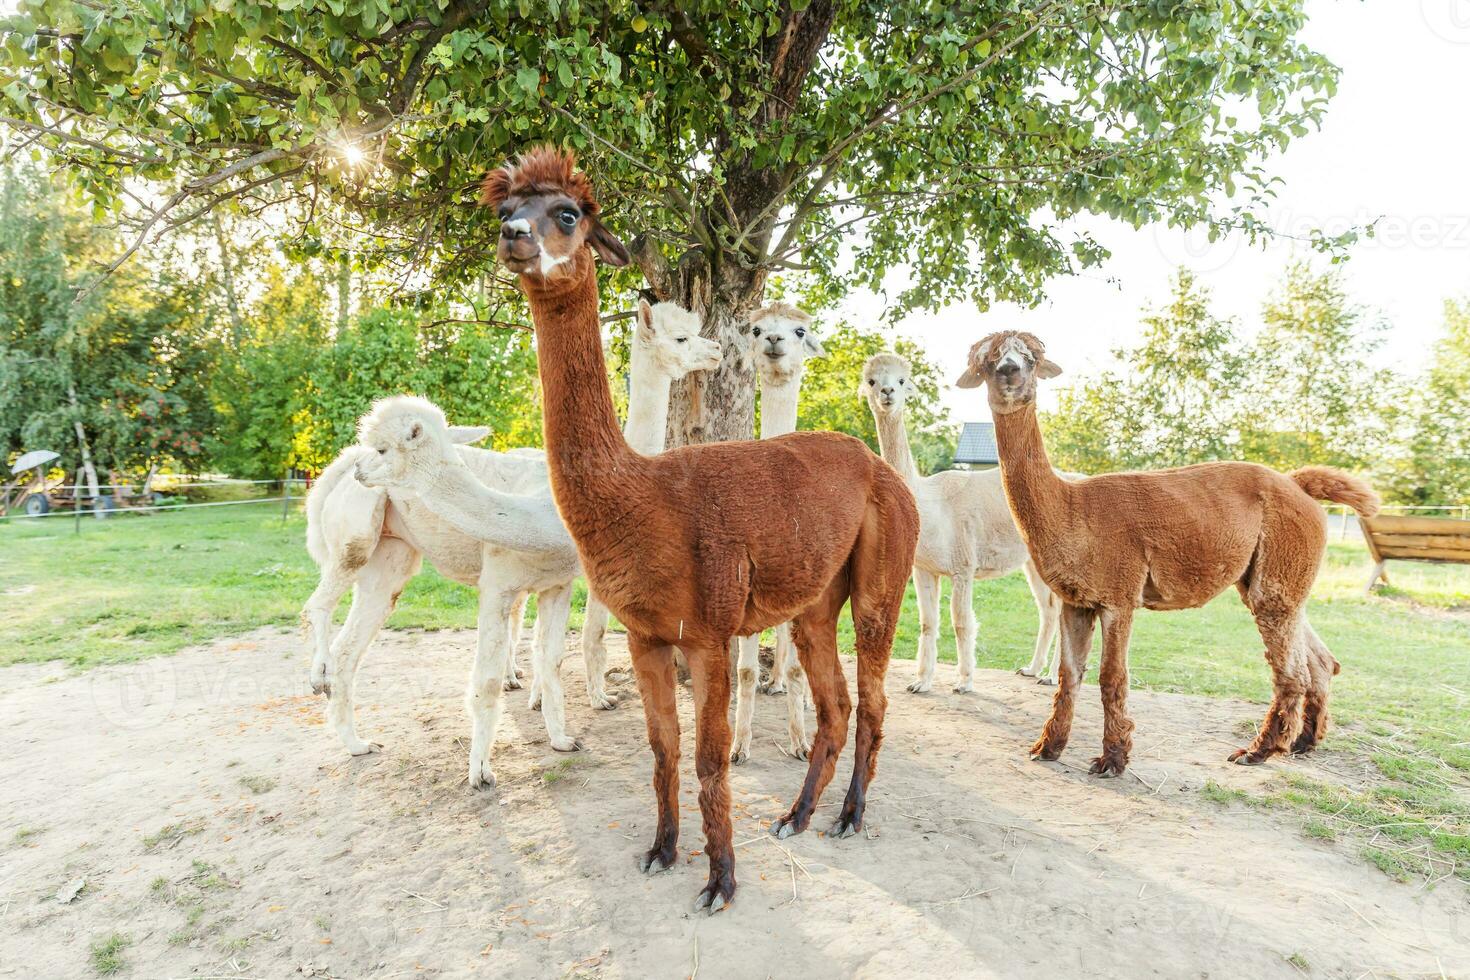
731 139
831 398
1435 412
1313 394
1174 400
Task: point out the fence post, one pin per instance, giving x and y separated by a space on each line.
76 512
286 497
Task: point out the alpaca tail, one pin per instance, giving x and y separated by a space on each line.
1327 483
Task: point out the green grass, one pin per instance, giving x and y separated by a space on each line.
107 954
140 586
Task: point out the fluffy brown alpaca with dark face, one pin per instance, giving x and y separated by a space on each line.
684 548
1168 539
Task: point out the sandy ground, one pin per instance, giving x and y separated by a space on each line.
219 825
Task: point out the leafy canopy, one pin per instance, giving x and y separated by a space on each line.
740 136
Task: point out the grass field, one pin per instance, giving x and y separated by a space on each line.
140 586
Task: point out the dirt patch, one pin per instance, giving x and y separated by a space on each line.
220 829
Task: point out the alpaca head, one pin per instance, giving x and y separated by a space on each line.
548 218
781 340
405 442
887 384
667 337
1009 363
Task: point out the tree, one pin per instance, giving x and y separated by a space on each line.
1314 393
730 139
1174 401
118 379
831 399
1436 469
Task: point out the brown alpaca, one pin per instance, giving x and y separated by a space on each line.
1170 539
684 547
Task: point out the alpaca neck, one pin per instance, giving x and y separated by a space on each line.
1038 497
893 445
585 449
648 403
778 405
519 522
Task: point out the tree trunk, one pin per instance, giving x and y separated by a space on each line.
718 405
227 275
87 469
344 292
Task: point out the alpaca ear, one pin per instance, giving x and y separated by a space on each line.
814 346
645 320
1047 369
466 435
972 378
416 431
607 246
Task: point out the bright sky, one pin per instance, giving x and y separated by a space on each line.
1395 146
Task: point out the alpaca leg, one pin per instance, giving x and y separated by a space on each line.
379 582
873 630
1077 626
962 614
747 668
653 665
815 632
553 607
1049 616
1287 651
517 627
711 680
776 682
594 654
485 695
800 741
316 621
1117 626
1321 666
926 587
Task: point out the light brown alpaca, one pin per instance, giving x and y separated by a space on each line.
1169 539
683 547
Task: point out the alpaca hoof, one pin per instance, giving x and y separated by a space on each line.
740 754
602 701
965 687
846 826
1042 752
364 748
1047 681
658 859
512 682
1107 767
920 686
1303 745
321 682
1025 671
567 744
785 827
716 895
800 748
481 775
1244 757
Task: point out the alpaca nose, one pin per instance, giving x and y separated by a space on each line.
1007 369
886 392
515 228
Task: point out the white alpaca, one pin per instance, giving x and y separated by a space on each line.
666 346
482 518
780 342
966 532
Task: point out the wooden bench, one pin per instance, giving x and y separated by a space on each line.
1437 539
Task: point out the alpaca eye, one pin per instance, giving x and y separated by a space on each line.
872 382
755 331
382 452
504 212
681 340
801 331
902 381
568 218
